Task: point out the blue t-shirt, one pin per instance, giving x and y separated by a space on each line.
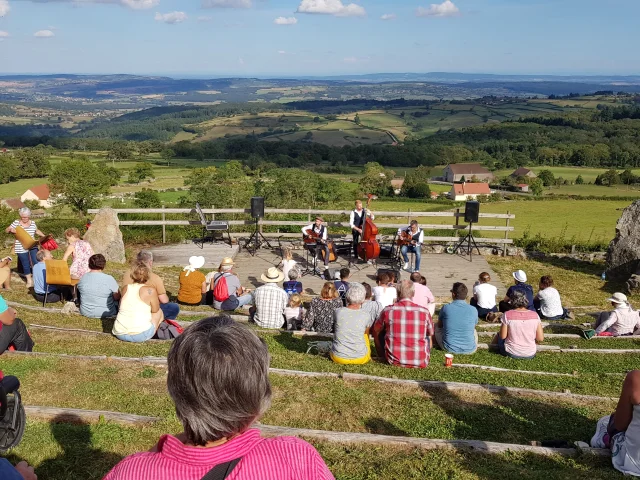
40 279
292 287
459 320
7 471
96 295
342 288
3 305
526 289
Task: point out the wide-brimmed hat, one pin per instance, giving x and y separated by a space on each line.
617 298
520 276
273 275
226 261
196 262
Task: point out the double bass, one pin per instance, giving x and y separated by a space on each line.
369 248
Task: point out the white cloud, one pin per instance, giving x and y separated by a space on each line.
227 3
132 4
282 52
444 9
140 4
285 21
388 16
240 61
171 18
204 18
331 7
44 34
4 34
4 7
355 59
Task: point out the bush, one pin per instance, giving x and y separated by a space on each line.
420 190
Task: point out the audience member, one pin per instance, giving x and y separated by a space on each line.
234 296
623 320
342 285
423 296
169 310
385 293
40 286
372 307
140 313
287 263
319 317
403 333
219 382
456 328
520 285
99 292
193 283
620 431
81 252
5 273
293 285
423 280
484 296
270 301
22 471
351 344
521 329
26 257
294 312
547 302
13 332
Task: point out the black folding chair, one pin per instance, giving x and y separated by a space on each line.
12 417
212 226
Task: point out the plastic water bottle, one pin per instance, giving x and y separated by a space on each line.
603 276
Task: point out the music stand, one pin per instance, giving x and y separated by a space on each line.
471 243
307 270
257 238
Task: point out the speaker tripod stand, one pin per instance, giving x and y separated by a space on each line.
470 243
257 239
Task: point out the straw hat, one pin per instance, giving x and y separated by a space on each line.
227 261
520 276
618 298
273 275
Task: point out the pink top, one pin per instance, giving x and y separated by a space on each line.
280 458
424 297
82 251
521 336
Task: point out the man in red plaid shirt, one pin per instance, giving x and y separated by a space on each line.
403 333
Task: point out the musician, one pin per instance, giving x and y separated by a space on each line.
319 231
356 221
415 246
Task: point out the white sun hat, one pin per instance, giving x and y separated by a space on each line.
618 298
520 276
195 263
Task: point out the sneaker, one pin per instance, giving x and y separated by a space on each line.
571 315
405 266
598 440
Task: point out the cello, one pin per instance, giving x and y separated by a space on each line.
369 248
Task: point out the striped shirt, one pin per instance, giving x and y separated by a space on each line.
31 230
281 458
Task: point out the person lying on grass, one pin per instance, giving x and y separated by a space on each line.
621 431
547 301
351 330
13 333
520 329
623 320
218 380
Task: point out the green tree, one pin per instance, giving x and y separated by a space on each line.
376 179
167 155
455 154
227 186
316 119
80 183
536 187
119 152
547 177
8 169
610 177
420 175
147 198
627 177
419 190
579 180
140 172
33 162
144 149
357 119
112 173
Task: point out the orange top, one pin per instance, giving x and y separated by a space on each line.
191 287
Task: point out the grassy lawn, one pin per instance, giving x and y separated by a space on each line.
17 188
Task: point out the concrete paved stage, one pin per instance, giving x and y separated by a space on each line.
178 254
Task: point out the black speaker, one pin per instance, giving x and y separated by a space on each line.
472 212
257 207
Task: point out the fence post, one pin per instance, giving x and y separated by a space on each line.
506 237
213 215
409 217
164 227
309 216
457 217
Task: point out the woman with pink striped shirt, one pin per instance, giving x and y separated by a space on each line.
219 381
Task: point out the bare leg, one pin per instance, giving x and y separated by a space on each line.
629 397
157 318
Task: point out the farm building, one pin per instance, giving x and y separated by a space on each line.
40 193
12 203
468 191
397 184
522 187
524 172
458 172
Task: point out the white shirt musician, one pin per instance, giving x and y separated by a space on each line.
415 245
356 221
318 231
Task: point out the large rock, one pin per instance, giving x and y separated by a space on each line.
623 255
105 236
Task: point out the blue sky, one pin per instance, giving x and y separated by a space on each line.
319 37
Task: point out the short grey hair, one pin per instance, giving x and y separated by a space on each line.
356 295
294 274
40 256
406 289
24 212
145 256
518 299
226 268
218 379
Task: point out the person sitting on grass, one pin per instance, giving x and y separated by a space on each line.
456 328
269 301
294 312
423 296
13 332
234 296
620 431
484 296
623 320
319 317
40 286
403 333
385 292
5 273
522 286
99 292
372 307
218 380
140 313
351 344
547 302
520 329
293 286
80 250
342 285
193 284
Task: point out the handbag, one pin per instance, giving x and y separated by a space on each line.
168 330
222 471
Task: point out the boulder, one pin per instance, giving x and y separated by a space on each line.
105 236
623 255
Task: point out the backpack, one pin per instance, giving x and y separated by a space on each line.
220 289
169 329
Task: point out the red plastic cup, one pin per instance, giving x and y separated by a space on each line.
448 360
